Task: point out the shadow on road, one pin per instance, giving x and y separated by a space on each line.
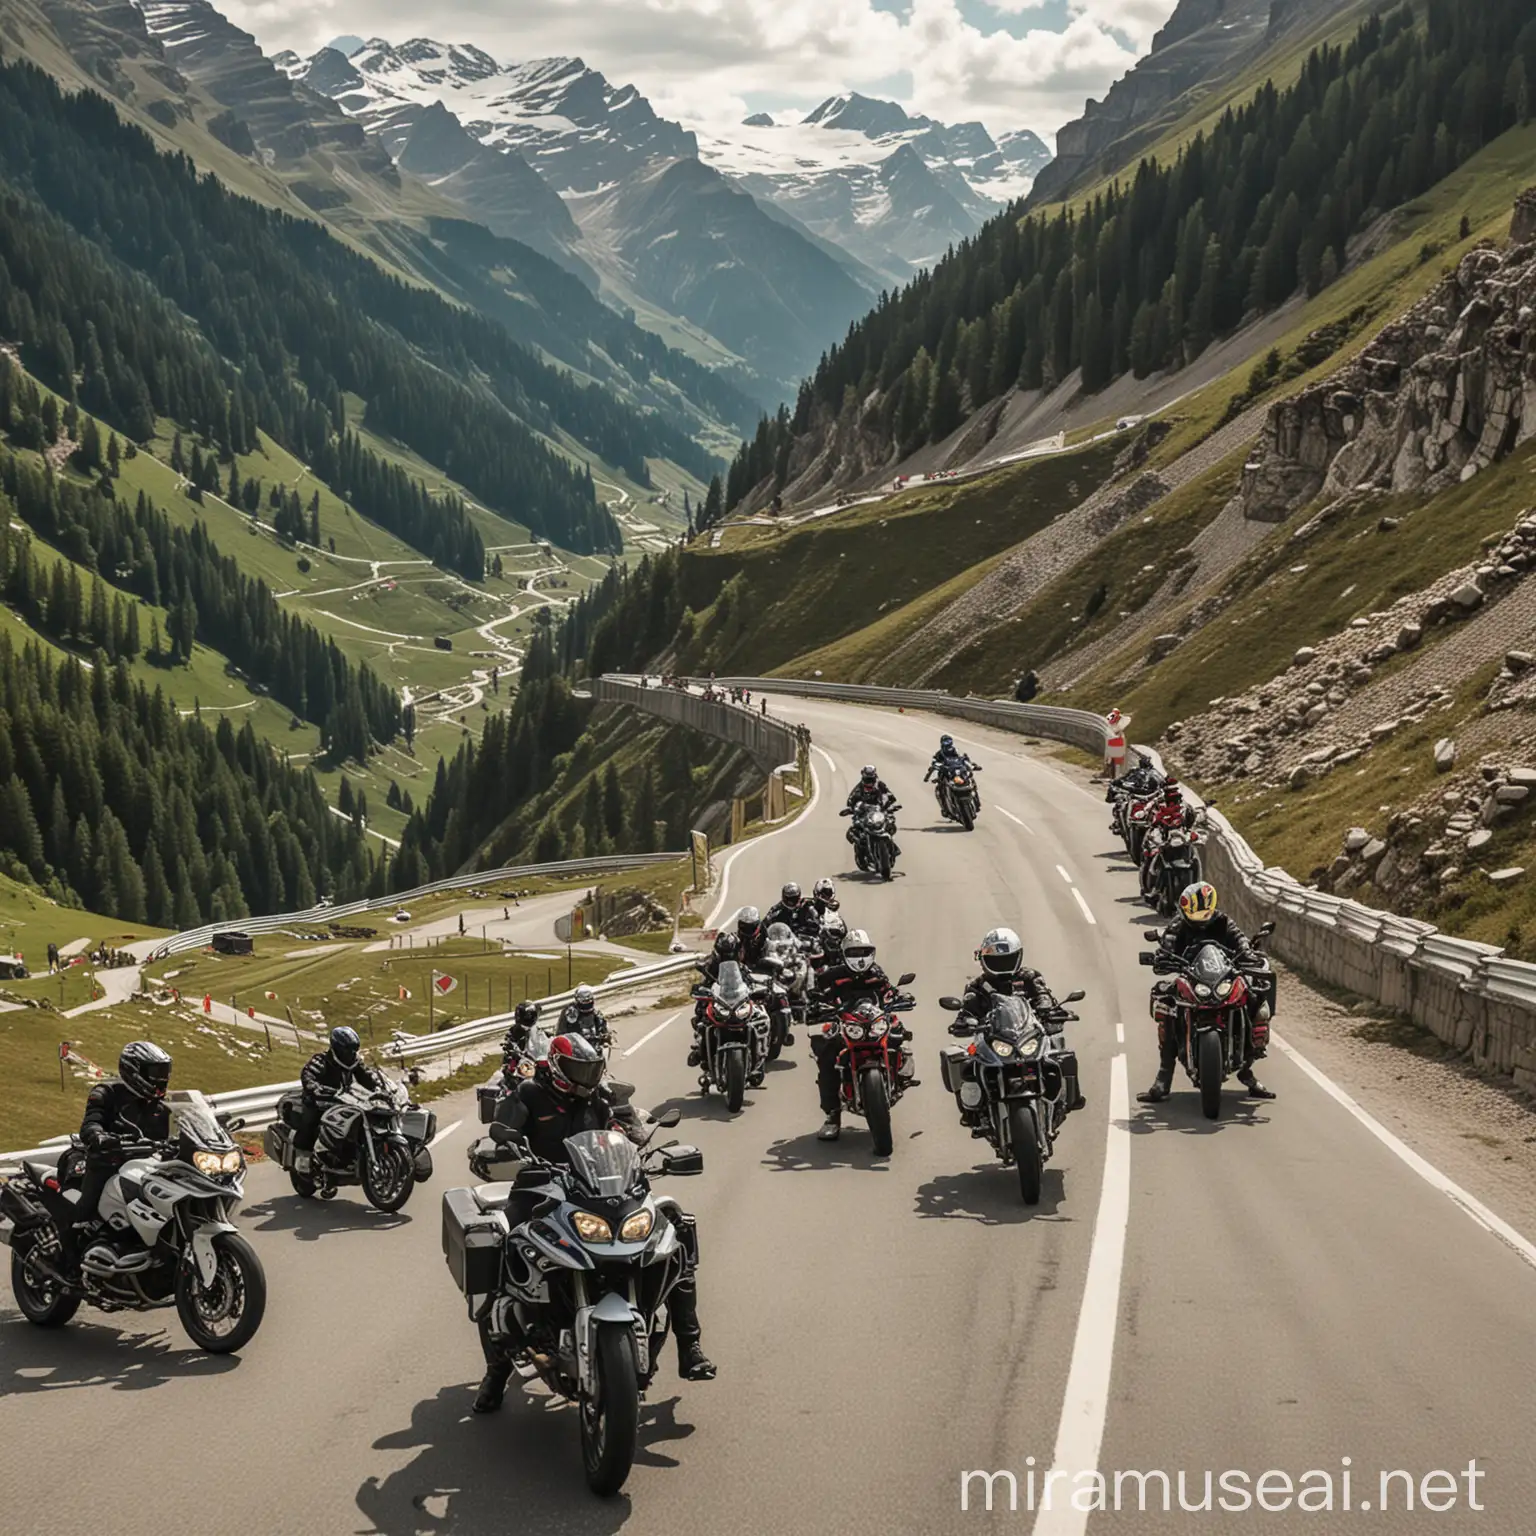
96 1355
702 1106
989 1195
1182 1113
310 1220
805 1153
519 1469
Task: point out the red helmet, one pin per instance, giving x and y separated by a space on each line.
575 1065
1172 794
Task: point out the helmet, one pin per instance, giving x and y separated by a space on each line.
1198 903
527 1015
344 1046
1172 794
749 922
585 999
858 951
834 932
1001 953
145 1069
946 743
575 1065
1113 717
825 892
790 895
867 773
727 945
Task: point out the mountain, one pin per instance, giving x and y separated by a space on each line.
893 189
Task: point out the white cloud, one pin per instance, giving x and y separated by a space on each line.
699 60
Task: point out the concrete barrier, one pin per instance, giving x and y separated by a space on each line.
768 742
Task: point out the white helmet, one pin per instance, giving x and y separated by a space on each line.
858 951
1001 953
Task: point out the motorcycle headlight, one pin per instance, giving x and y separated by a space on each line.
525 1067
1002 1048
877 1029
742 1011
1201 990
854 1031
1223 988
637 1228
1030 1047
590 1228
219 1162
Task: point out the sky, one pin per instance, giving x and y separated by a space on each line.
707 63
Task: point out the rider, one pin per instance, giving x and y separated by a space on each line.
1004 973
834 934
1173 815
752 931
327 1074
795 912
856 976
523 1021
130 1109
1143 779
583 1016
727 946
871 790
946 760
824 898
564 1097
1200 921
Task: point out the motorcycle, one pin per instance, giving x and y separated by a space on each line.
782 971
1010 1081
874 1060
1208 1010
378 1139
1170 865
1137 789
958 795
874 842
168 1240
578 1260
735 1036
517 1064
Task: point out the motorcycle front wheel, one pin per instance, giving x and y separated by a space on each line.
1210 1074
735 1080
967 815
884 861
43 1302
223 1317
389 1178
1026 1151
877 1110
610 1418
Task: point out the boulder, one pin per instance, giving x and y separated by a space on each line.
1409 636
1445 755
1479 840
1303 656
1468 596
1163 646
1373 851
1511 794
1519 661
1505 876
1523 776
1356 839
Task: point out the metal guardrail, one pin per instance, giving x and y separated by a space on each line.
769 742
196 938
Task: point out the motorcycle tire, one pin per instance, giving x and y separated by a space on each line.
776 1034
1025 1137
884 863
735 1080
610 1420
967 816
877 1110
44 1305
1167 902
304 1185
238 1265
1210 1075
389 1179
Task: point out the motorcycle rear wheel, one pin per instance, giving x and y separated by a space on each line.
610 1421
1210 1075
877 1110
735 1080
41 1301
1026 1151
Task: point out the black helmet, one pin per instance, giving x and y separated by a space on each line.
145 1069
345 1045
946 743
749 922
585 999
575 1065
790 895
868 775
826 892
727 945
527 1014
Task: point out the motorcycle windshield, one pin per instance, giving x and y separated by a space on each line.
537 1044
731 989
606 1163
192 1117
875 821
781 939
1012 1019
1211 964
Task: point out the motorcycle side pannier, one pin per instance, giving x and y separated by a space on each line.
277 1142
486 1097
472 1242
954 1066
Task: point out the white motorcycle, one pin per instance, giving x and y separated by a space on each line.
168 1237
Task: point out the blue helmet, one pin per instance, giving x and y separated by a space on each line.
946 743
345 1046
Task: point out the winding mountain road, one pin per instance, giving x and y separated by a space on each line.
1279 1289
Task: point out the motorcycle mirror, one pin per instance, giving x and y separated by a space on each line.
1154 934
906 979
1266 930
846 811
682 1160
668 1117
1074 997
953 1004
1146 957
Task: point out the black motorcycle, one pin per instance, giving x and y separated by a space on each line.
520 1054
780 972
379 1139
1172 866
1010 1082
576 1261
959 798
874 839
735 1035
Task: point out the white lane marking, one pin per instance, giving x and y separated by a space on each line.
1084 1408
1064 875
641 1041
1011 817
822 751
1077 896
446 1132
713 919
1120 1034
1427 1171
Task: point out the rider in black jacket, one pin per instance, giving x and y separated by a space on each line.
856 976
871 790
797 914
326 1075
563 1098
948 758
727 946
130 1109
1199 922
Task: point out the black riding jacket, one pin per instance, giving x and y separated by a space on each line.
950 761
545 1118
322 1071
877 794
114 1109
1025 983
841 986
802 919
1181 938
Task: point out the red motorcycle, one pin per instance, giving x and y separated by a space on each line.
874 1061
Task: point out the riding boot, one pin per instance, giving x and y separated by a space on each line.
493 1386
1162 1084
692 1363
1256 1089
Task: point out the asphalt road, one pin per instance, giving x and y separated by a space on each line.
1278 1290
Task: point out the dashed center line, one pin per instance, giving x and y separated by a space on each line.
1077 896
1015 820
1064 875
